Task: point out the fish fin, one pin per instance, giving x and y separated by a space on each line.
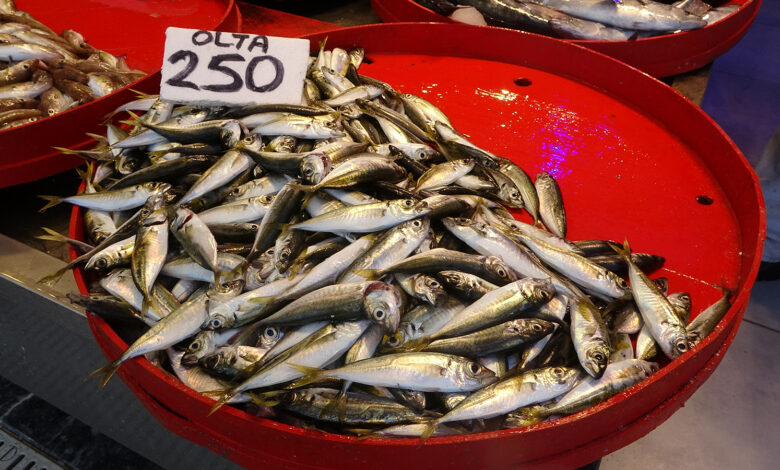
51 201
369 274
306 200
263 300
414 345
239 271
106 372
304 187
310 375
267 399
226 397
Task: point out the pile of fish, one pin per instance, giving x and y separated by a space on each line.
350 263
600 20
43 73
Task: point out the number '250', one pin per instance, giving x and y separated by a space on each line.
216 64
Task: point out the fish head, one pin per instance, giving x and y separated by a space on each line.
471 374
422 152
429 289
408 208
561 378
269 337
538 291
497 266
453 279
531 327
382 302
237 193
662 284
314 167
394 340
230 133
100 261
251 142
596 360
510 194
180 216
221 361
681 301
676 341
459 225
155 217
201 345
156 187
220 317
416 229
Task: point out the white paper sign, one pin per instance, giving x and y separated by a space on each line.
234 69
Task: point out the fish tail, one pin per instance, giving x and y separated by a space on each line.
310 375
149 303
51 201
141 95
624 251
53 236
429 430
226 397
106 372
54 277
97 137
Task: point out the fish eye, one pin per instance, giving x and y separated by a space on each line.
598 357
308 171
558 371
514 195
194 346
216 323
474 368
417 223
268 198
393 341
145 212
622 283
408 202
501 272
379 314
283 256
682 346
434 284
537 327
101 263
270 332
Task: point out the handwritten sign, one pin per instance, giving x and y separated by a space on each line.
234 69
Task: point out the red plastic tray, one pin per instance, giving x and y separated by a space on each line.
630 160
132 27
659 56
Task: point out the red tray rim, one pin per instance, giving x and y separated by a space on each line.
734 312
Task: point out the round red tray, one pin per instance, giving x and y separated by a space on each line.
631 161
659 56
132 27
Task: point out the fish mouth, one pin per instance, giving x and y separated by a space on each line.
189 360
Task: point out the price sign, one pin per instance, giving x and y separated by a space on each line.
234 69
